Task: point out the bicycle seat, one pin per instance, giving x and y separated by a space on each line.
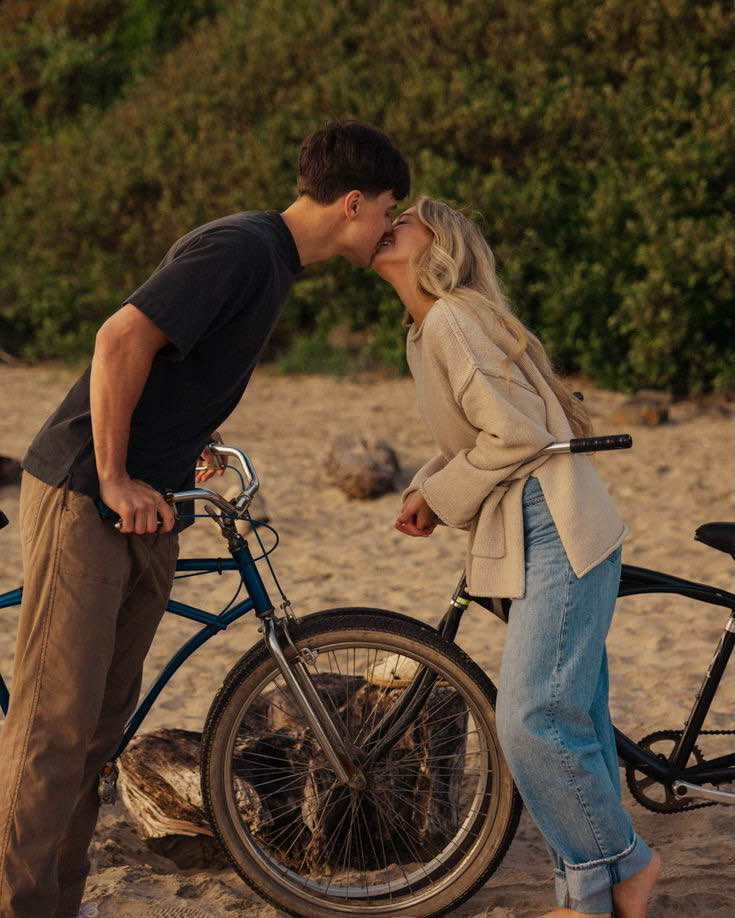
718 535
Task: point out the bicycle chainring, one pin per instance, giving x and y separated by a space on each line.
653 794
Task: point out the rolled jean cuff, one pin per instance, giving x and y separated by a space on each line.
561 889
589 884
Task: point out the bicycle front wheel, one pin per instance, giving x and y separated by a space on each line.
437 811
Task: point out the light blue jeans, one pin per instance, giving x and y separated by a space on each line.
553 718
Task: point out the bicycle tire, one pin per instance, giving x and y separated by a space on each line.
486 833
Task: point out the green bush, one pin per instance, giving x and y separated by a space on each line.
61 56
594 138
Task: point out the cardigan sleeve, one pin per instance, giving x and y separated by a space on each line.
428 468
507 437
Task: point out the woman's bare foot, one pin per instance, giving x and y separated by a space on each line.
630 897
570 913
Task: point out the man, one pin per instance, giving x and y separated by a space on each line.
168 367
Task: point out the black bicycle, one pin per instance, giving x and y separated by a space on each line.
350 763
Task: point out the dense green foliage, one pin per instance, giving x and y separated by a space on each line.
59 57
594 137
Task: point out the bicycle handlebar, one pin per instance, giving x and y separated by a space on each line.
590 444
576 445
239 505
236 507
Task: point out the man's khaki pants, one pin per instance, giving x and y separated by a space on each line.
92 600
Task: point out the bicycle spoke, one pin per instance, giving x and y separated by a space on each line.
369 836
303 859
399 864
408 830
346 686
329 793
332 842
280 790
280 812
414 759
369 721
420 722
249 754
348 852
434 803
304 828
286 695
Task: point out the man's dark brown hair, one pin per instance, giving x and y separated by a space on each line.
347 155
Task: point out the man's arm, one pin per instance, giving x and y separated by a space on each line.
124 350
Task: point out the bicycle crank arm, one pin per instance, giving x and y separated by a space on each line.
312 707
683 789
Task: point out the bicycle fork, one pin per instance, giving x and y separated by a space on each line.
339 753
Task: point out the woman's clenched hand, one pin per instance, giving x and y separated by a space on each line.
416 517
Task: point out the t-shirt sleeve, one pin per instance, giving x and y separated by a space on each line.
200 289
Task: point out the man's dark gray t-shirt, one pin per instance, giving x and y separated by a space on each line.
216 296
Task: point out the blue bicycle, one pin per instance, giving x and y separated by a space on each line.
350 763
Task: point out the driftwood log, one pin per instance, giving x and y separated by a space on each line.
647 407
160 785
362 467
290 800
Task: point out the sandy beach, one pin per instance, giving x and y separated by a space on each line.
336 551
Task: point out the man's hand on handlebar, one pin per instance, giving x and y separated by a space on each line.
214 464
140 507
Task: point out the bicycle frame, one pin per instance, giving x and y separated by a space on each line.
257 601
639 580
296 675
12 598
636 581
633 581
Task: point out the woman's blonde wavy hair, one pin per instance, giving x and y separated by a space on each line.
459 267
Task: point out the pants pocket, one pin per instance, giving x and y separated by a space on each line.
94 551
31 496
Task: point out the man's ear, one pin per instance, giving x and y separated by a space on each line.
352 203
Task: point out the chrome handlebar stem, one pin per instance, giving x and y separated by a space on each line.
554 448
237 507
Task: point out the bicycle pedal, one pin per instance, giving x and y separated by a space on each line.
107 786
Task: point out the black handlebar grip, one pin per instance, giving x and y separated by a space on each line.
105 512
595 444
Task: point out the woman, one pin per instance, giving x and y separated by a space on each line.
543 532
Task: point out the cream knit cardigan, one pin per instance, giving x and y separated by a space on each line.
487 430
